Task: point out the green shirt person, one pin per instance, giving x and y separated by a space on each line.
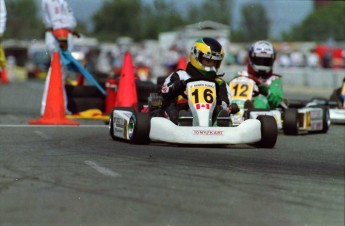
269 91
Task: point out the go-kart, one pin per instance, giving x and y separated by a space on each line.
292 119
336 114
337 105
140 128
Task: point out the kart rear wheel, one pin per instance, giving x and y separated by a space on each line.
290 123
269 131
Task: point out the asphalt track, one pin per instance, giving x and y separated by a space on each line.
58 175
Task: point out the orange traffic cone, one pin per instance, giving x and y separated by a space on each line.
54 113
4 77
182 63
127 92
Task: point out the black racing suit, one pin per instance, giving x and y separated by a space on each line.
175 99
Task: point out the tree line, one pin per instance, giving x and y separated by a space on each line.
141 21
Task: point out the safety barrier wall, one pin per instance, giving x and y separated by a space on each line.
309 77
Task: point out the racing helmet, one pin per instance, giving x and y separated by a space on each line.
261 57
206 55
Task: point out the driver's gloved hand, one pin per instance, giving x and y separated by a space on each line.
264 89
231 108
234 108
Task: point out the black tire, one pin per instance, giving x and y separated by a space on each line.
326 120
111 126
269 131
290 122
142 128
296 103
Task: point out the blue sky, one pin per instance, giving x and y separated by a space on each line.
283 14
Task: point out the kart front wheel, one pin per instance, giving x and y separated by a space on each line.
137 129
111 125
326 120
141 123
269 131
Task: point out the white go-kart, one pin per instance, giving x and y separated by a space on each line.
292 119
196 128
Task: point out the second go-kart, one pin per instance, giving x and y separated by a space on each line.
141 128
292 119
336 104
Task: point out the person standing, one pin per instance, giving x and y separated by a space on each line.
3 19
60 25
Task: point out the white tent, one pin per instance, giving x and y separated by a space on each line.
192 32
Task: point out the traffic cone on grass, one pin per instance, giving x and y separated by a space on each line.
127 92
54 112
182 63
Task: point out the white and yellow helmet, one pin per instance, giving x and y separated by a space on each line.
207 48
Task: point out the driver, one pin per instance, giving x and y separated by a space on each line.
270 89
205 59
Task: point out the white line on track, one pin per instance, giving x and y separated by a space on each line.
43 135
101 169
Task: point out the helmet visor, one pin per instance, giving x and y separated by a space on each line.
263 61
208 60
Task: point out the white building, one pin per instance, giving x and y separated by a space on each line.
188 34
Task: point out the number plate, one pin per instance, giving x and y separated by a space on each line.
241 88
202 93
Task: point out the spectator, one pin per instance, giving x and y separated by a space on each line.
60 25
313 60
284 60
297 59
171 59
327 59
